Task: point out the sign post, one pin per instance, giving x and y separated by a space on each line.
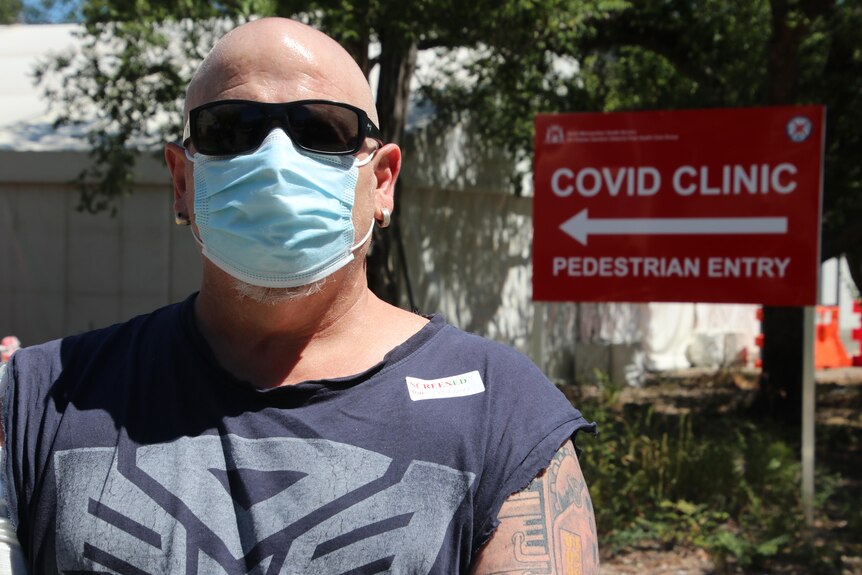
719 205
809 405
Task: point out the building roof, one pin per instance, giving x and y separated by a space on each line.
26 123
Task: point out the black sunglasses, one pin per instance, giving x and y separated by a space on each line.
231 127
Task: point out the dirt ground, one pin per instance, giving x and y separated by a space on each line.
839 403
676 562
690 562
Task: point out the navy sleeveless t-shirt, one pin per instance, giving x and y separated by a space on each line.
129 450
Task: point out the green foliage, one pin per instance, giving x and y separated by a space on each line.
525 62
10 10
723 484
127 82
671 54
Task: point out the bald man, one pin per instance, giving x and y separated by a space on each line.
283 419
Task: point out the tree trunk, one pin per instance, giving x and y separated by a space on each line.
780 387
397 64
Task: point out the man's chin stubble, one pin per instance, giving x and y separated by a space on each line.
274 296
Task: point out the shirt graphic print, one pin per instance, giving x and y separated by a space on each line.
225 504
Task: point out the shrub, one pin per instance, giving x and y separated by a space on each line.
718 482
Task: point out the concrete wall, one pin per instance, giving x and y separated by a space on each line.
63 271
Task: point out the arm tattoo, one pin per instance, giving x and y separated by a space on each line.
549 527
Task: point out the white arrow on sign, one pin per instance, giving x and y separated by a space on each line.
580 226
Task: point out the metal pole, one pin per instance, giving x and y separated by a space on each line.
808 414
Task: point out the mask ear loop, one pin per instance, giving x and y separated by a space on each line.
360 163
361 242
188 221
197 238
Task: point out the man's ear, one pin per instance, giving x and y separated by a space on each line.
175 156
387 166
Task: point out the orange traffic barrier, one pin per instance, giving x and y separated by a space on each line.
828 349
857 334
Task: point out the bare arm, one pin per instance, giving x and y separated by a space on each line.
548 528
4 381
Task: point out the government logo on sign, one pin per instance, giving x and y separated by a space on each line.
554 135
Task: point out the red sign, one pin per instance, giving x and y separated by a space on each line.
715 205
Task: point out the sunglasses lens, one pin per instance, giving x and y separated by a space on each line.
231 128
327 128
226 129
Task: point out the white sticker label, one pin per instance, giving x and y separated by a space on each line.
454 386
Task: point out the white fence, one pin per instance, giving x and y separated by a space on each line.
63 271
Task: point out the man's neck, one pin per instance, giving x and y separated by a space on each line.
335 332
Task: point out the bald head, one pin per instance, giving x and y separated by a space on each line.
279 60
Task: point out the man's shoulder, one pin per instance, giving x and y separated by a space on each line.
62 353
496 359
482 345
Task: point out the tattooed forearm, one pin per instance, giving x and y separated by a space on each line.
548 528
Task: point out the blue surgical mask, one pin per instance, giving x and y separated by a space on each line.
277 217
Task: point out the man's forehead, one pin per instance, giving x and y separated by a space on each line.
241 75
285 62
